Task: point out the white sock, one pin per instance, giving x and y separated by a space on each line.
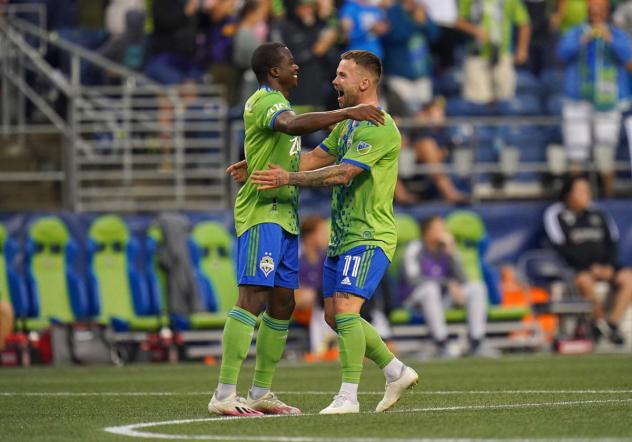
393 370
225 390
349 390
258 392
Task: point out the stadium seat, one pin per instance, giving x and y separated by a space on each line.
12 287
458 107
211 248
408 230
528 84
449 83
118 288
471 239
55 293
520 105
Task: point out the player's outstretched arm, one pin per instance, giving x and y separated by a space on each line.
238 171
292 124
315 159
276 176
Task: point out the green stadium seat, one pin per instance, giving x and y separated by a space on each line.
119 290
56 294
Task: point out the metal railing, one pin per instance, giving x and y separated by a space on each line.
129 145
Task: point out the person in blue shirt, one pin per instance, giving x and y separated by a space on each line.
363 23
597 57
407 62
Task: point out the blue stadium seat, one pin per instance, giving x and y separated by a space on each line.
458 107
520 105
449 83
528 84
553 80
554 104
12 287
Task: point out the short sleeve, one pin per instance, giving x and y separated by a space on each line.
330 144
268 108
520 14
370 144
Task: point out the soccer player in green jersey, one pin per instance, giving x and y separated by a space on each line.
267 227
360 160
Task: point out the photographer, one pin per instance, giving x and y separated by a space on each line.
489 73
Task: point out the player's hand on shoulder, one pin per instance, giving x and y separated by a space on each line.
238 171
366 112
271 178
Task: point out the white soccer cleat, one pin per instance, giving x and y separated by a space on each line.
270 404
233 405
395 389
341 405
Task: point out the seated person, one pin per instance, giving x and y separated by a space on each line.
586 238
6 322
427 146
432 268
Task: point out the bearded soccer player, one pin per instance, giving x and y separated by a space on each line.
267 227
360 160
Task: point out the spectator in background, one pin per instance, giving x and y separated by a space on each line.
444 13
622 16
433 268
171 60
363 22
309 296
219 26
6 321
124 23
596 56
586 238
427 146
310 40
252 31
540 52
171 47
569 13
489 73
407 62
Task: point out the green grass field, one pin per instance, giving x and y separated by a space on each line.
517 397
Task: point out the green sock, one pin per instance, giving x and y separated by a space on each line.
236 342
376 349
270 345
352 345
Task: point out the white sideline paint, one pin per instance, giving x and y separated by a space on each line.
133 429
310 393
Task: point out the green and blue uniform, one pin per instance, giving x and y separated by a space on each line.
267 221
363 235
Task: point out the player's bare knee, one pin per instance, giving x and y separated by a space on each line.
253 298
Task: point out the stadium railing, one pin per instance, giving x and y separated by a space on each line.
129 145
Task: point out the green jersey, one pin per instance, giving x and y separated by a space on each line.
362 211
264 145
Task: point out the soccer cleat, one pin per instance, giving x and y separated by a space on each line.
341 405
270 404
233 405
395 389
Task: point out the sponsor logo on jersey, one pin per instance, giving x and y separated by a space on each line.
363 147
346 281
266 264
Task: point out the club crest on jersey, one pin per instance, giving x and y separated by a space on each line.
363 147
266 264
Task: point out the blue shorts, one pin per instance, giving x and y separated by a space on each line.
357 271
268 257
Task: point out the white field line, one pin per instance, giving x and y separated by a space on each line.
133 429
310 393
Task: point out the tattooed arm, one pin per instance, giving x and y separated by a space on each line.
275 176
